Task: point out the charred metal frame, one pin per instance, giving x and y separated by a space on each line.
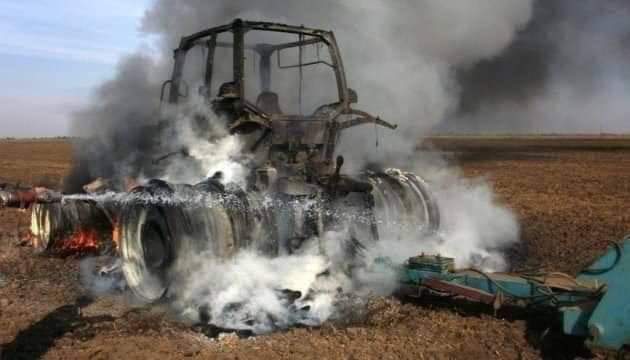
240 107
239 28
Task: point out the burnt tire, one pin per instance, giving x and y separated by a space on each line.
403 204
53 223
146 248
160 243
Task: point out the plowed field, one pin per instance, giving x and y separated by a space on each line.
571 195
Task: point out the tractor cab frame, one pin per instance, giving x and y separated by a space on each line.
315 134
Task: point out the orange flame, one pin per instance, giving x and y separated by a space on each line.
30 239
116 234
82 241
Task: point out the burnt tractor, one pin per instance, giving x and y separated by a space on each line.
283 92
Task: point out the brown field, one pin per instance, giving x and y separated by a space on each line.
571 196
34 161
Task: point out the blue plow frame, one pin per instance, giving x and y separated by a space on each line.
594 305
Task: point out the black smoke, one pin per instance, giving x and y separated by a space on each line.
567 71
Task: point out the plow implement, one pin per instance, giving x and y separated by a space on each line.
594 305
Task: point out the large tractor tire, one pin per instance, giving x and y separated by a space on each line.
403 204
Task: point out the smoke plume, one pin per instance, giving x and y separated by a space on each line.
400 57
566 72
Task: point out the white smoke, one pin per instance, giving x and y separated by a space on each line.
254 292
210 150
100 276
246 292
475 227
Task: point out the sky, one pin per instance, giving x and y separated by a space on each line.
53 53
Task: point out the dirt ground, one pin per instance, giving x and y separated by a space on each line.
570 195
